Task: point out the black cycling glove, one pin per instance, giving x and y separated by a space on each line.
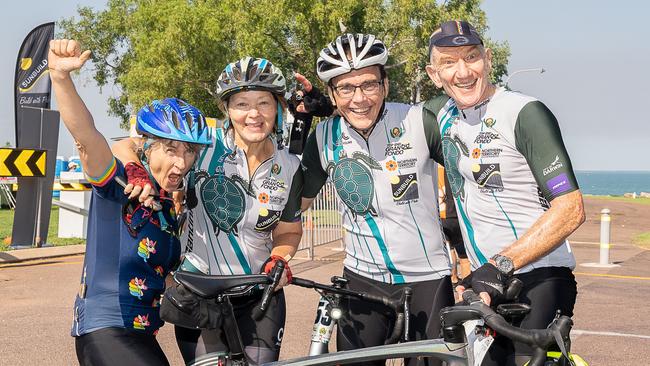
488 278
317 105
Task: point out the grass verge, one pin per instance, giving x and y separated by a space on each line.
639 200
642 240
7 221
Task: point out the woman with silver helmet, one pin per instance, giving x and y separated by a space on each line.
245 204
130 248
379 158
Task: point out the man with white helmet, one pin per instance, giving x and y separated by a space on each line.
379 159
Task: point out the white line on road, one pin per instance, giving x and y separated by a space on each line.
608 334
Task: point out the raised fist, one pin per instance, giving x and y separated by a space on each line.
65 56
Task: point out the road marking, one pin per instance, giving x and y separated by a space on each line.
608 334
612 276
595 243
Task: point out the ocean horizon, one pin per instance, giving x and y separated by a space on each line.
612 182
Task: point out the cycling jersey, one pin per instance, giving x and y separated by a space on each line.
123 275
387 185
505 161
230 228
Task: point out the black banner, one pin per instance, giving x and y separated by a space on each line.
32 82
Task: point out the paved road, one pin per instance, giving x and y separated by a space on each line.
611 321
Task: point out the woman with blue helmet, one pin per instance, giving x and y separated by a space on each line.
245 204
130 248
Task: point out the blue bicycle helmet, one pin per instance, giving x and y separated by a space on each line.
173 119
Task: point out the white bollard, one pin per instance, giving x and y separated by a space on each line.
605 225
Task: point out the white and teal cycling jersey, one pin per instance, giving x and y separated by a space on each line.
230 228
505 161
387 185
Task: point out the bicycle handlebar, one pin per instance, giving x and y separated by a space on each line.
276 276
398 306
539 339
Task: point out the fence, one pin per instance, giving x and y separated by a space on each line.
321 224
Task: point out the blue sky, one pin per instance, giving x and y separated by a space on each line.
595 54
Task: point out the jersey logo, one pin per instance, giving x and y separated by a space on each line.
453 148
396 132
224 200
267 219
476 153
485 137
146 247
276 169
488 177
137 287
391 165
404 187
489 122
354 183
555 165
491 153
397 148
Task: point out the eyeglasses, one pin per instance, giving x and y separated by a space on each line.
369 88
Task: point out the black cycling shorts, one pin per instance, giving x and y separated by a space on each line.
546 290
451 229
261 339
366 324
118 346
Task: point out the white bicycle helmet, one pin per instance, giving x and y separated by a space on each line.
363 49
250 73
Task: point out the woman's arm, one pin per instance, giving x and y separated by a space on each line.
64 57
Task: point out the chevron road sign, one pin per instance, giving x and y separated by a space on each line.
22 162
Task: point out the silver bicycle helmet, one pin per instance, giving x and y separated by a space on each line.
250 73
350 52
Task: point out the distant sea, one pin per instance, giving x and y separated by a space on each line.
614 183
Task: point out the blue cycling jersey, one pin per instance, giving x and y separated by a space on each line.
125 264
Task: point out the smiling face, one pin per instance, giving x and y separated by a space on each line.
169 161
252 115
361 109
463 72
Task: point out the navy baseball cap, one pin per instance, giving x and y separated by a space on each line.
454 33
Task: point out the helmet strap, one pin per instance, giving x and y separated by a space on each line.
367 131
278 131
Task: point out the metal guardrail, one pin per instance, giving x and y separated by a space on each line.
321 224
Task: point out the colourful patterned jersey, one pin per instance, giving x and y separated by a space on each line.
124 274
387 186
505 160
231 227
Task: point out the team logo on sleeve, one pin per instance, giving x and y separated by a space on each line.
488 177
555 165
404 187
559 184
267 219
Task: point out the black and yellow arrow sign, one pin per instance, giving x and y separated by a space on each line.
22 163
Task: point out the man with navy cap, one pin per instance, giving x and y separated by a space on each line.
513 184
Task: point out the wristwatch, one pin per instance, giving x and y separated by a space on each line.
504 264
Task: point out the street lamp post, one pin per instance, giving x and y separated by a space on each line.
538 69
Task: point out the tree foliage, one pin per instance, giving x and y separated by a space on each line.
177 48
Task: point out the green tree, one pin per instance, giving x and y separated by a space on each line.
154 49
